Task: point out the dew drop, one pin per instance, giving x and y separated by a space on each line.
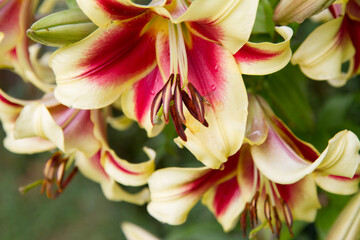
216 67
152 92
213 87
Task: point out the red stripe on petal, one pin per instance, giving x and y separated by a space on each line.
121 53
9 16
212 177
119 11
206 69
4 100
251 54
208 31
118 165
353 27
356 176
96 162
225 194
145 91
305 149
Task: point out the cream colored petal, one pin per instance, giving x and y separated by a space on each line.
91 168
347 225
230 22
256 127
124 172
174 192
280 163
36 120
338 185
134 232
102 12
288 11
114 192
322 53
226 202
27 145
265 58
120 123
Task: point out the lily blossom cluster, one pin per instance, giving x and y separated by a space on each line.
182 60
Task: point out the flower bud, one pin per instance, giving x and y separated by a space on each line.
61 28
288 11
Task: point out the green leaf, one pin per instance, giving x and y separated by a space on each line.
286 91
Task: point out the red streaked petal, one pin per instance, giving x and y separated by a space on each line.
265 58
102 12
124 172
220 21
95 71
92 168
171 200
337 184
136 101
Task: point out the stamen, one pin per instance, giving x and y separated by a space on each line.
166 97
178 100
177 123
287 215
267 211
54 171
253 209
155 106
198 102
243 223
277 222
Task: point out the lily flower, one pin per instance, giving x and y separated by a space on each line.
41 125
15 52
332 44
170 58
347 225
288 11
272 178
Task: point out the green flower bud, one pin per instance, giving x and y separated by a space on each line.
61 28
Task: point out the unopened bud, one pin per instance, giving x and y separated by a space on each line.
61 28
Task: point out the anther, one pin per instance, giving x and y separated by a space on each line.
166 97
277 222
287 215
253 208
178 100
243 216
267 211
177 123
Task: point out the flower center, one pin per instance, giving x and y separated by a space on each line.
273 201
173 94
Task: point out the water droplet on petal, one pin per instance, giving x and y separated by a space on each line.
213 87
152 92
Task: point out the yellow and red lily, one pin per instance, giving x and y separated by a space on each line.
179 58
44 124
272 177
332 44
